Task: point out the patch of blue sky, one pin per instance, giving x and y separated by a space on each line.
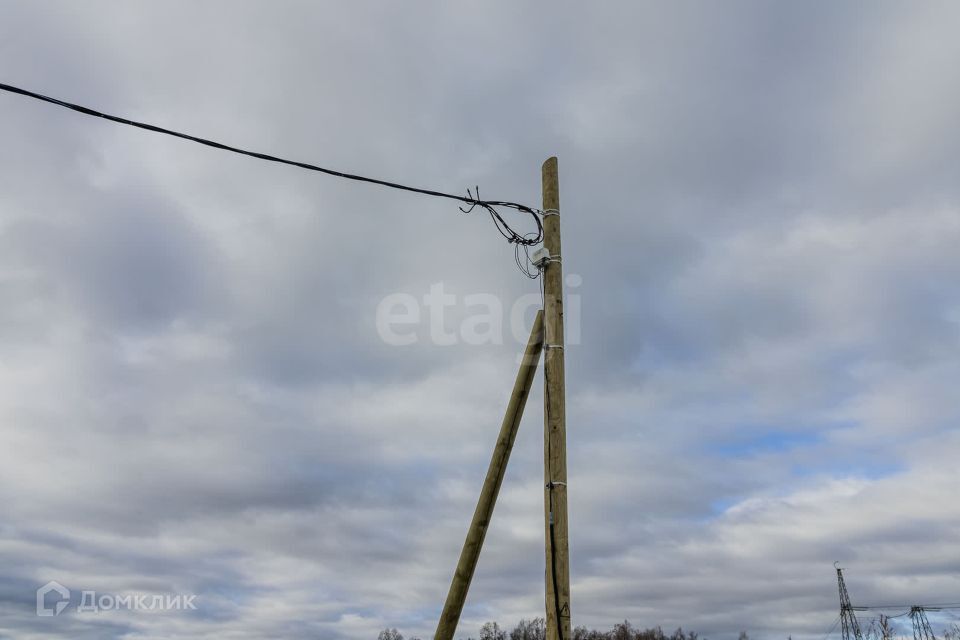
863 467
757 442
805 454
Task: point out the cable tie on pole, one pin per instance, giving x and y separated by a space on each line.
554 483
550 212
544 261
553 346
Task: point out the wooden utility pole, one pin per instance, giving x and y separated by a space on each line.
491 485
555 421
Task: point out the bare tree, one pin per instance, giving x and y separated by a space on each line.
653 633
492 631
535 629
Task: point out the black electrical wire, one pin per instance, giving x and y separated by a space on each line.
553 571
521 254
527 239
558 612
831 629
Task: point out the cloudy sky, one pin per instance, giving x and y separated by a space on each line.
762 212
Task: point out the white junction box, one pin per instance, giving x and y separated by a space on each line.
540 256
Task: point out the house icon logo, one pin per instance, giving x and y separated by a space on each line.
56 605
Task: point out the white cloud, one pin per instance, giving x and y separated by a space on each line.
760 199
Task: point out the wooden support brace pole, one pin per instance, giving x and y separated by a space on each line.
491 486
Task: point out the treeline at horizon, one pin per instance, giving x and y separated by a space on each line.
536 629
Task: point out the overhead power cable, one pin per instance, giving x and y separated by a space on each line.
471 200
928 607
832 627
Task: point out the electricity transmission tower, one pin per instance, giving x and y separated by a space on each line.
848 619
918 617
921 626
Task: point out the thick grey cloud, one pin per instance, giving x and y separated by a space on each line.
760 201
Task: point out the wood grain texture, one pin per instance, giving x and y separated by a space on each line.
555 420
